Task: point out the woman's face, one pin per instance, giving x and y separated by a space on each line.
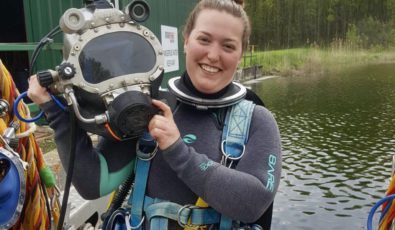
213 50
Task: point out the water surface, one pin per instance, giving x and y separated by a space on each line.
338 140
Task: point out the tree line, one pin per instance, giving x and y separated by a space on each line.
278 24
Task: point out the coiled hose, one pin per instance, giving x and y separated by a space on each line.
41 208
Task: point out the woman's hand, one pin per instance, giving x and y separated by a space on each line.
162 127
36 92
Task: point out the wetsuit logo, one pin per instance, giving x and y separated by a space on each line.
270 173
205 165
189 139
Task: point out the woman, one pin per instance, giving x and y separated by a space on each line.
215 36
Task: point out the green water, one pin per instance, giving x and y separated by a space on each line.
338 140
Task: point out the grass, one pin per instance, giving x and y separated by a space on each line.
313 60
47 145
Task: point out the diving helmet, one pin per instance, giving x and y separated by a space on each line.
112 66
12 188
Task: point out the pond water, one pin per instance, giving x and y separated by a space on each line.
338 140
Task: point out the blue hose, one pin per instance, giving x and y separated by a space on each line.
374 208
36 118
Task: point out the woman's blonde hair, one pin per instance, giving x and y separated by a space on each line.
232 7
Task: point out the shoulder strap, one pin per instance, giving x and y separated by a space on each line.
234 137
236 130
145 150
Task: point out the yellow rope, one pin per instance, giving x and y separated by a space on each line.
34 214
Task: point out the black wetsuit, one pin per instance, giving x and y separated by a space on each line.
243 193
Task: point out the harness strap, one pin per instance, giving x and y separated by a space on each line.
146 149
137 199
226 223
236 129
156 208
234 138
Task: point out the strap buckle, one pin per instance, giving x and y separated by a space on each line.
187 206
146 156
144 153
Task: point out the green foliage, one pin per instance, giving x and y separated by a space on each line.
353 39
374 33
277 61
279 24
313 60
392 43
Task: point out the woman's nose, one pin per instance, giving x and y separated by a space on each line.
213 53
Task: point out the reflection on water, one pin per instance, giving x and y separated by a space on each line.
338 139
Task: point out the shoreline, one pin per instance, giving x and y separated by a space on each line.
259 79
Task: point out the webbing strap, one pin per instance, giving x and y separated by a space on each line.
137 198
159 223
234 138
226 223
146 149
174 211
236 129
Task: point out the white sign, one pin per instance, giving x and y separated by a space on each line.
170 47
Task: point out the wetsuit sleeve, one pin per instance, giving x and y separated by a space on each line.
243 193
97 171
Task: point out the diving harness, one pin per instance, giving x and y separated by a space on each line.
157 212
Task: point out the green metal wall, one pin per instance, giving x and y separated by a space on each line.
43 15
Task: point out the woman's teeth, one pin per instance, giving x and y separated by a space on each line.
210 69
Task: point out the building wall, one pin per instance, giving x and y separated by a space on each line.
41 16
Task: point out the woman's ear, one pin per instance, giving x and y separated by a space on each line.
185 44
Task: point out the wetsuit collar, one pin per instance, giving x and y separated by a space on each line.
185 92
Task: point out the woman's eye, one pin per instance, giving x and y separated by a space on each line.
229 47
204 40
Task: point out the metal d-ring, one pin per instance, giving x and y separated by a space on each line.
179 216
146 156
128 226
228 156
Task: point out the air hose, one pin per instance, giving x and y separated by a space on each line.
39 115
118 199
37 211
389 198
70 170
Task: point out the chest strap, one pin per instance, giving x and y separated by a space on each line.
159 211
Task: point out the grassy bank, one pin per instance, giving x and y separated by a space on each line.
313 60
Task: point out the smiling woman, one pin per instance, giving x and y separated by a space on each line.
199 153
213 50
